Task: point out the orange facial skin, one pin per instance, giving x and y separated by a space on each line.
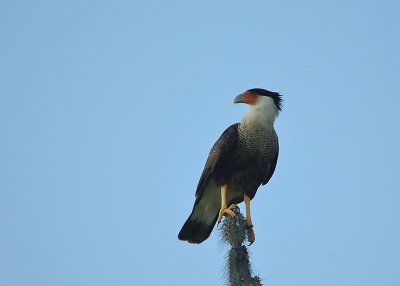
249 98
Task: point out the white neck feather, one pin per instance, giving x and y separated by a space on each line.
263 112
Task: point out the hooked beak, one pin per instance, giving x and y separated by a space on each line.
246 97
238 99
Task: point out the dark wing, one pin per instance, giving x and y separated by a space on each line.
269 171
224 145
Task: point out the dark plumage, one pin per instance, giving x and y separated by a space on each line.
243 158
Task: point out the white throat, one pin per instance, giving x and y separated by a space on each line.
264 112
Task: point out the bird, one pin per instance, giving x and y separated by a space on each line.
241 160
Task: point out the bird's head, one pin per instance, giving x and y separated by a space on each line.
255 96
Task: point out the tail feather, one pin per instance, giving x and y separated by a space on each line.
199 225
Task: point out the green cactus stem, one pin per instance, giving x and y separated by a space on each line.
238 270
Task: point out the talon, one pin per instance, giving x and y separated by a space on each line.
251 237
225 210
232 206
236 210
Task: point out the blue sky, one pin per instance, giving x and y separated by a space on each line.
108 111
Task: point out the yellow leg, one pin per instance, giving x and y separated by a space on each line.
250 232
224 209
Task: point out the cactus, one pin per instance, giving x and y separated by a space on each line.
234 232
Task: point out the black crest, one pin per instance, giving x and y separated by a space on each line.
274 95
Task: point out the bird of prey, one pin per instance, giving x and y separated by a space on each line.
241 160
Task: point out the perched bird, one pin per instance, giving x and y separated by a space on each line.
242 159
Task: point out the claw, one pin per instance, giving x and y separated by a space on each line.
225 210
251 237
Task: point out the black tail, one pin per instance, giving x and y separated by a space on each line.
198 226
